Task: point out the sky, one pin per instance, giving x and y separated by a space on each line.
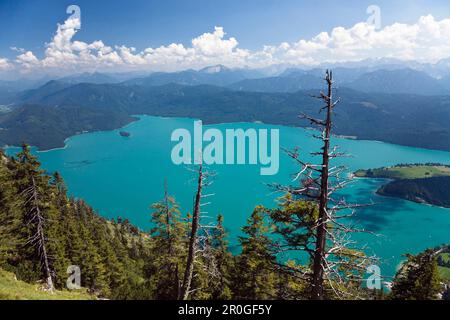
40 36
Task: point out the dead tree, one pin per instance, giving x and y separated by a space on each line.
189 271
38 239
330 241
195 237
319 254
208 253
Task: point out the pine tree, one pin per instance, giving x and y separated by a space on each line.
37 209
94 271
168 249
10 216
293 224
255 278
56 229
418 278
223 262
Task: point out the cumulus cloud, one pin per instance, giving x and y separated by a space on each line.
27 60
428 40
4 64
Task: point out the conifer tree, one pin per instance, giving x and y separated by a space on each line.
91 262
418 278
56 228
223 262
168 248
255 278
37 210
10 217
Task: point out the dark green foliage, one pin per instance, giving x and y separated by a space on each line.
418 278
220 286
169 249
255 277
47 126
434 190
294 222
74 233
10 219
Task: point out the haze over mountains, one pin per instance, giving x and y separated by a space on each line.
393 104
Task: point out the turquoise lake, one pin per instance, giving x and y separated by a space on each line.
123 176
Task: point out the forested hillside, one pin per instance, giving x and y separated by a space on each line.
44 231
434 190
48 126
56 112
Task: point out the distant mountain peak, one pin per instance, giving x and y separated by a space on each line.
406 81
215 69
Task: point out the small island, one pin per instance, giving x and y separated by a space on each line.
125 134
424 183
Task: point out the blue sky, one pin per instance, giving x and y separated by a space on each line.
142 24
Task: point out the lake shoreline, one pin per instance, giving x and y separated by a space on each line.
423 183
136 118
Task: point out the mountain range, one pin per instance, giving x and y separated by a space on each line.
215 75
403 106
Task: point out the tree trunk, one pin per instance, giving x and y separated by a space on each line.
319 254
40 237
168 218
193 239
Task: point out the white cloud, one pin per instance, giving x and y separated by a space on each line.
428 40
213 44
4 64
27 60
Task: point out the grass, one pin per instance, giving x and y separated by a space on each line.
406 172
12 289
445 256
445 273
